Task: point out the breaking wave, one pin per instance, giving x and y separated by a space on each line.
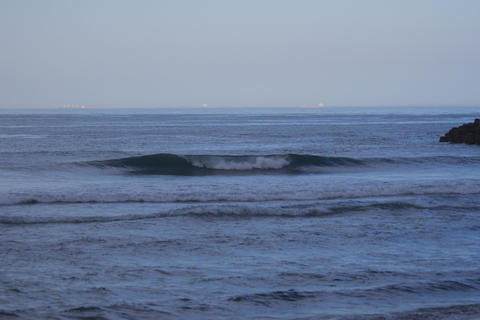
192 165
171 164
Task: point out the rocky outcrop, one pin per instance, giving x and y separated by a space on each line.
468 133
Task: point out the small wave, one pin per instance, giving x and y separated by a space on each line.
457 312
198 212
7 314
380 201
201 211
265 298
388 291
171 164
423 287
364 276
83 309
17 220
12 136
236 211
116 311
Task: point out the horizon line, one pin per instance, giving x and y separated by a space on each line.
100 107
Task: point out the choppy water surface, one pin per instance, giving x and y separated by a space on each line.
238 214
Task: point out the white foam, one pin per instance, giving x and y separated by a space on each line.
246 163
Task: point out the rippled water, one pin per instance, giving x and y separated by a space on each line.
238 214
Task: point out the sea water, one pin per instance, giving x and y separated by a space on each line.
274 213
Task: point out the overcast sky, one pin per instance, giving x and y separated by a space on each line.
159 53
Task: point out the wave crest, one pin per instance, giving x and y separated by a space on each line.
239 163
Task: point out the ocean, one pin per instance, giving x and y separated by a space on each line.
254 213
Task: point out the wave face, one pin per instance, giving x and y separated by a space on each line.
171 164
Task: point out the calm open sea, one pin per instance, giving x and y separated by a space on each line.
333 213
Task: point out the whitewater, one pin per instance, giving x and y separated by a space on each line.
279 213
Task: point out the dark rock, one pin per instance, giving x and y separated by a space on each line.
468 133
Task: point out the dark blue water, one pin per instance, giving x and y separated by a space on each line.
340 213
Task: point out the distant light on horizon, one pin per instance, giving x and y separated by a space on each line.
320 105
73 106
184 53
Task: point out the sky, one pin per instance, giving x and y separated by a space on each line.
226 53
